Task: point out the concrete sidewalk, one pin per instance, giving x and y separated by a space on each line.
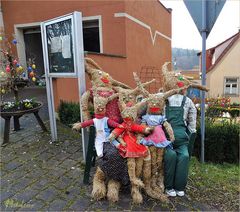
37 175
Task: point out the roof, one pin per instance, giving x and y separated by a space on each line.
221 49
194 73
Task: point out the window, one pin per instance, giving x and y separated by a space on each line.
92 34
231 85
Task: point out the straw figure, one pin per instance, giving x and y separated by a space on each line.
173 80
130 98
105 85
101 122
111 166
129 147
156 141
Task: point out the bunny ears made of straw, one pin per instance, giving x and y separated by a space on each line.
91 63
171 77
92 67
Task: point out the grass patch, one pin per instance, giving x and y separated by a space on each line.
214 184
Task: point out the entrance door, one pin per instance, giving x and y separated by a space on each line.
33 48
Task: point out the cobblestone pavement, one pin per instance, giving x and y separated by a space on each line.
37 175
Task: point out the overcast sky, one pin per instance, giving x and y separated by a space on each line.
185 34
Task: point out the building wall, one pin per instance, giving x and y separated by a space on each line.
145 47
130 41
20 12
229 66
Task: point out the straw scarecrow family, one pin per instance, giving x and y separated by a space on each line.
142 142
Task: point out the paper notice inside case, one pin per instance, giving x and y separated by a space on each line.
56 44
66 46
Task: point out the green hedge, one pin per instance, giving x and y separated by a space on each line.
215 111
69 112
221 142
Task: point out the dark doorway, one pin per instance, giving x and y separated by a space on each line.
33 48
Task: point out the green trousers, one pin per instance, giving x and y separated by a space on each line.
176 163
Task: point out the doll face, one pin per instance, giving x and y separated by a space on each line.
129 99
101 78
174 80
100 105
155 105
129 113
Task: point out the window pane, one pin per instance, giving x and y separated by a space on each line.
91 36
234 90
234 85
227 90
231 80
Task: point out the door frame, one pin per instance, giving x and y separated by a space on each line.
18 30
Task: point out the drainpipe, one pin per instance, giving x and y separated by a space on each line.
1 19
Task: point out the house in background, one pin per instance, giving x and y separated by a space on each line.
223 69
194 76
121 36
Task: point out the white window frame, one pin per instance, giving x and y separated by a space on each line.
99 18
225 83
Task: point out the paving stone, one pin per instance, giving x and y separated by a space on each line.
72 149
56 172
22 169
47 195
36 204
99 205
7 157
81 204
68 163
77 156
18 145
25 156
124 202
15 175
12 165
2 207
21 184
60 185
35 174
10 208
57 205
5 182
62 156
53 162
26 195
70 193
6 194
41 184
75 174
161 207
45 156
